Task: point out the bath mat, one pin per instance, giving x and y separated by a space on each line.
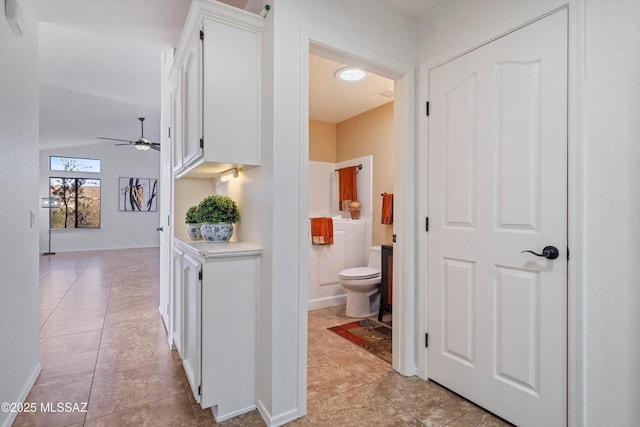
370 335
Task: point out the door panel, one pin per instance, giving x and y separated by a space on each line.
459 297
518 144
191 321
460 121
498 186
517 332
177 283
192 78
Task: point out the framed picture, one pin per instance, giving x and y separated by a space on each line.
138 194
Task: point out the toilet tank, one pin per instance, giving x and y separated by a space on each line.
375 256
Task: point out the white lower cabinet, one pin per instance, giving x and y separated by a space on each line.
191 321
176 298
216 295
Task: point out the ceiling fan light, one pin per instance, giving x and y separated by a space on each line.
142 147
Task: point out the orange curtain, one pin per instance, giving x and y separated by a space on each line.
322 231
387 209
347 182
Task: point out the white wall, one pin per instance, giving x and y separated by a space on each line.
323 198
186 193
612 213
117 229
608 143
19 317
351 26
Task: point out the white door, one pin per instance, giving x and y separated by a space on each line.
166 193
498 186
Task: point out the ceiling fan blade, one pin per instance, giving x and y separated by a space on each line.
142 141
115 139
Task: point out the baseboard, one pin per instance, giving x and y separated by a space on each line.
234 413
23 395
123 248
280 420
264 413
332 301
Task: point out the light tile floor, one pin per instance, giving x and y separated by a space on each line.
102 342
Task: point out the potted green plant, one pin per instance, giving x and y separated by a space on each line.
217 214
193 225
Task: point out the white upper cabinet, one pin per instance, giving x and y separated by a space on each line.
176 122
217 71
192 102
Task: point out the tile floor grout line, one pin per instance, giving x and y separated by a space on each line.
395 404
95 366
63 296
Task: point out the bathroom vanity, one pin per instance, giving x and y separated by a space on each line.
214 298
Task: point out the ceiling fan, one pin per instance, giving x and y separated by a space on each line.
142 144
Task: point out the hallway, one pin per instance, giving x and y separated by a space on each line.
103 348
102 341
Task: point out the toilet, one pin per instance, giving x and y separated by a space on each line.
363 286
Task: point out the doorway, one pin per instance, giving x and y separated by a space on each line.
403 75
497 314
403 321
351 125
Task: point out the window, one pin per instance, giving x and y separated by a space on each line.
73 164
79 202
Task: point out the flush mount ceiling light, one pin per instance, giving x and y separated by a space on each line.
350 74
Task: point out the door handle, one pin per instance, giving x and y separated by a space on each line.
160 229
549 252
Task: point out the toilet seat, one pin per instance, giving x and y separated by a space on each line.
359 273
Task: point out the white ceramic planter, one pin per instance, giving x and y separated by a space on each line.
216 233
193 231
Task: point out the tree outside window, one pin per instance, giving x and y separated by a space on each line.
79 200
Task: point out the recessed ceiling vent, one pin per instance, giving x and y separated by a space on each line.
386 92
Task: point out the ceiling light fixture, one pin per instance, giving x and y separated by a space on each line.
142 146
350 74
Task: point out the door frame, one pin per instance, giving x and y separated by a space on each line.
404 76
575 189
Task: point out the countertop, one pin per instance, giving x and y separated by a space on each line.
218 250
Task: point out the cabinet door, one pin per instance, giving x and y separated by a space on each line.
176 128
192 80
192 295
231 56
176 299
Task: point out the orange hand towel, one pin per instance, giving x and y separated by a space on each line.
387 209
347 183
322 231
